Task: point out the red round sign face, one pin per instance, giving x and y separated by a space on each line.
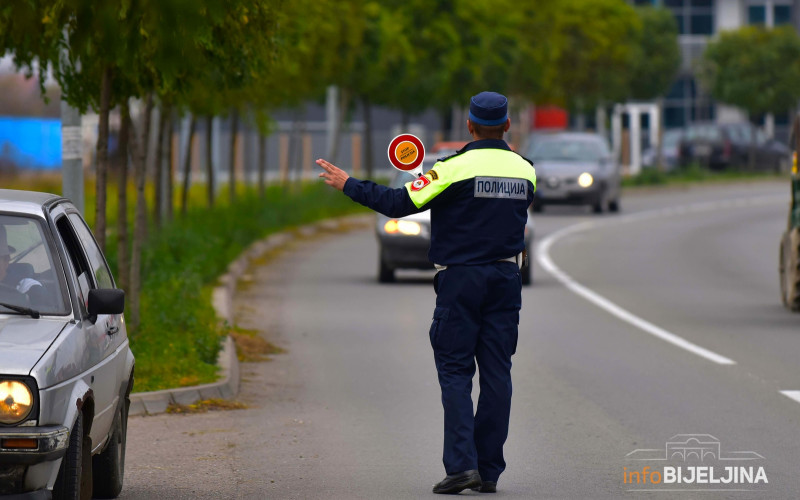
406 152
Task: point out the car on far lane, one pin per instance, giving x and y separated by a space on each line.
403 243
575 168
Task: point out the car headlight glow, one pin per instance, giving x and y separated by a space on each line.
390 226
408 227
16 401
585 180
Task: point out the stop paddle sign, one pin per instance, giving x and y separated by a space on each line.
406 153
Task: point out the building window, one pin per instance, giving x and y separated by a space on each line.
693 17
783 14
756 15
702 24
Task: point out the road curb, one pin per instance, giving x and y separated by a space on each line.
155 402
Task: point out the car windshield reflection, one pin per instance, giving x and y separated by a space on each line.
567 150
27 276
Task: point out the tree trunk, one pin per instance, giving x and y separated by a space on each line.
751 154
368 137
262 164
123 262
102 160
140 221
344 104
210 187
187 166
234 154
159 173
168 188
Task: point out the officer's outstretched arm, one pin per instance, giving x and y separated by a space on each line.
390 202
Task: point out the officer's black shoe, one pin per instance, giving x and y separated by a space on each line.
486 487
452 485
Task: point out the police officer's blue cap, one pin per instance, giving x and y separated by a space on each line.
488 108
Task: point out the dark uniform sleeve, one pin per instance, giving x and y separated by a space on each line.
390 202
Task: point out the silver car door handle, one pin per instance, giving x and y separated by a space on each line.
112 329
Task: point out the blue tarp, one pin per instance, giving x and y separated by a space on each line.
31 143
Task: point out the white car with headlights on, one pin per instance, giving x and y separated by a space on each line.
575 169
404 243
66 370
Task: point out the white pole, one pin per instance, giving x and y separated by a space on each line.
616 131
655 125
636 139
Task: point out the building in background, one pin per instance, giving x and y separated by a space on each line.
700 20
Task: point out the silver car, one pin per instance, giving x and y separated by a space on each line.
404 243
66 370
575 169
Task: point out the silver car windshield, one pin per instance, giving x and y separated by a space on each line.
28 276
568 150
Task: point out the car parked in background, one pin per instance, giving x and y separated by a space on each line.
670 141
721 146
575 168
66 369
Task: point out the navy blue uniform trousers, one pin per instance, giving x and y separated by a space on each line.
476 319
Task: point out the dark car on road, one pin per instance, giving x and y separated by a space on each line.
66 369
403 243
721 146
575 168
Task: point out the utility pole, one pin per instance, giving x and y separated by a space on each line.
71 155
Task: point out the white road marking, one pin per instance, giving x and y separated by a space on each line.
792 394
543 256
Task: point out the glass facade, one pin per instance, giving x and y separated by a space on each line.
686 103
757 15
694 17
783 14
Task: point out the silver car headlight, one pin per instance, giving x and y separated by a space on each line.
407 227
16 402
585 180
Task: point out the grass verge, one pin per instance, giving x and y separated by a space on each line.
180 336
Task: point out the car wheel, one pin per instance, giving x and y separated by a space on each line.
789 269
385 273
109 466
537 207
598 207
613 206
74 480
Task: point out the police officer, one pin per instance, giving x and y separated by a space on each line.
478 200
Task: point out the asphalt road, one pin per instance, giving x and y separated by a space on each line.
662 321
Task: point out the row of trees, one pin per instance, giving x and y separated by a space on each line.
244 58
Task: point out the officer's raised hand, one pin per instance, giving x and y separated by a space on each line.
333 175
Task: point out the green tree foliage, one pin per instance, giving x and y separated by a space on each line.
595 42
658 55
754 68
